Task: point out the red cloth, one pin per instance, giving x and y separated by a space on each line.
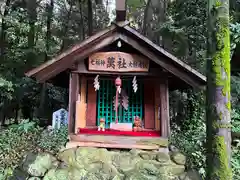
119 133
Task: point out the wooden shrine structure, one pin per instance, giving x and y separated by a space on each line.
92 69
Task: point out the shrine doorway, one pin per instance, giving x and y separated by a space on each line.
130 103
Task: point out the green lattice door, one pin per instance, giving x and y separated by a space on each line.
105 98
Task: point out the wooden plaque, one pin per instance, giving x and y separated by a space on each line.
117 62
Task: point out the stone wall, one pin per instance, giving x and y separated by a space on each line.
102 164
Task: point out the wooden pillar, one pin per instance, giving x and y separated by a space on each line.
91 119
149 112
157 105
73 94
164 109
81 105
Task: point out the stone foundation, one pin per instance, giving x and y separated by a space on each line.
102 164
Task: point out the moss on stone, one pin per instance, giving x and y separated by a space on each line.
221 171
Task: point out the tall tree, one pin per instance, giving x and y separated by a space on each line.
90 18
31 6
66 24
3 30
49 11
146 17
218 92
80 5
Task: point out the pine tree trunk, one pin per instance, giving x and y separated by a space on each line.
80 4
3 31
32 18
31 5
146 18
90 18
66 26
49 11
218 92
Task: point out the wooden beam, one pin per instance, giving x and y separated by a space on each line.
157 104
128 142
131 62
81 68
164 109
49 72
73 93
83 101
149 113
73 144
91 116
81 105
163 62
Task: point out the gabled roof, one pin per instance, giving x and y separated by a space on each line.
118 31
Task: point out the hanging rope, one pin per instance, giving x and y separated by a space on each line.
118 83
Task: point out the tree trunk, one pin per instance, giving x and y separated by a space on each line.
90 18
146 18
32 17
82 20
16 114
49 10
30 56
218 92
66 26
3 31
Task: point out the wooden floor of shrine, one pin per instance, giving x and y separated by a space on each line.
144 133
146 140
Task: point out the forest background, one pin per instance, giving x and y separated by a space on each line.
33 31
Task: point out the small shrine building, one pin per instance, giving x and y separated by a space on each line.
118 61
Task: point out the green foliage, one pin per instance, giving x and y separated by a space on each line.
24 126
235 92
236 160
185 28
192 144
53 141
235 121
68 25
17 140
6 173
189 128
235 35
6 90
236 144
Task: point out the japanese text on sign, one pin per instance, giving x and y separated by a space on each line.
118 61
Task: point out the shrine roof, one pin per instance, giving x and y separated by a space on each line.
118 31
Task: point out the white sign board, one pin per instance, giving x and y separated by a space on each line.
59 117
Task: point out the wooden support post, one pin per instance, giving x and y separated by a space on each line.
81 105
73 94
91 116
157 105
149 109
164 109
